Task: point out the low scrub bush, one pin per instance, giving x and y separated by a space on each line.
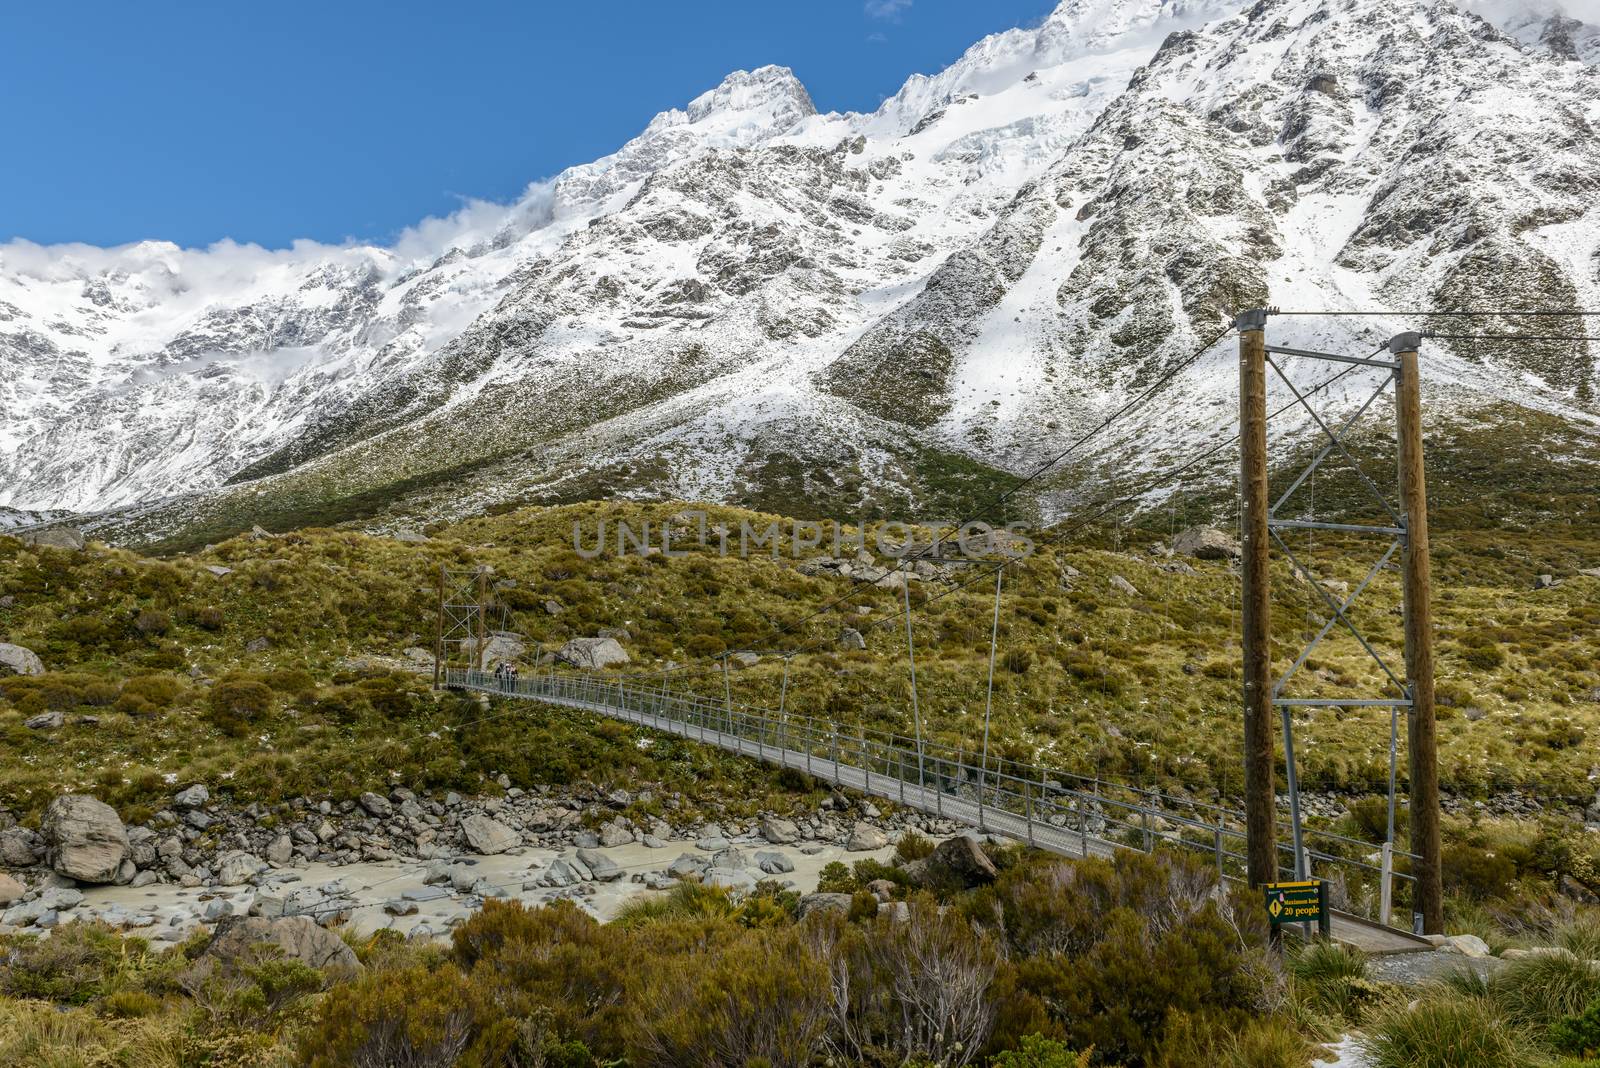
1578 1036
1445 1030
1535 992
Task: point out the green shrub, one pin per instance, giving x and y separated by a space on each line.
1332 979
152 622
1578 1036
209 618
1037 1051
1477 873
237 700
130 1004
158 691
836 878
1535 992
76 964
418 1016
1444 1030
913 846
556 959
761 998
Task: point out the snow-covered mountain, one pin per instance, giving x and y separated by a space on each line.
751 301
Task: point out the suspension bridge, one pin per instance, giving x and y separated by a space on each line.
1062 813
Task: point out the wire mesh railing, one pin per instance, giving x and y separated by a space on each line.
1064 812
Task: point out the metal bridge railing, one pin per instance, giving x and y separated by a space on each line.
1065 812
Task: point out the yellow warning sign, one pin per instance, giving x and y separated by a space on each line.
1302 901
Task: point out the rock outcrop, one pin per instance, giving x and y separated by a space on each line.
84 839
19 660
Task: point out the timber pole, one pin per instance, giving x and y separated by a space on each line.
483 620
438 645
1417 573
1261 835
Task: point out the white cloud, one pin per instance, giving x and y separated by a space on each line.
888 10
1511 11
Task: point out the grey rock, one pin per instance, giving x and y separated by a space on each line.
45 721
559 874
613 834
600 866
258 645
1205 543
237 868
732 857
425 893
779 831
730 879
297 937
62 537
376 805
61 897
191 796
19 848
84 839
687 866
850 638
1123 585
400 907
824 903
864 837
11 889
281 850
1545 582
774 863
18 660
593 653
486 835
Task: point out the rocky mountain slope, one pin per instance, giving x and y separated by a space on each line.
844 313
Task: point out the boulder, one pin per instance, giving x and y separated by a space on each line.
864 837
237 868
17 660
11 889
501 648
1545 582
592 653
1122 585
850 638
281 850
730 879
376 805
55 538
613 833
772 862
486 835
45 721
745 659
824 903
19 848
191 796
294 937
84 839
779 831
602 867
1205 543
1467 945
959 861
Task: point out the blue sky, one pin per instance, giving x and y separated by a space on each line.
341 119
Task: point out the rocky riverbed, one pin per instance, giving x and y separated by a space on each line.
416 863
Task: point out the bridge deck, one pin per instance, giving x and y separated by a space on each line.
1064 841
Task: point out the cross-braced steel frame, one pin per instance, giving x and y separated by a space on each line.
463 625
1396 535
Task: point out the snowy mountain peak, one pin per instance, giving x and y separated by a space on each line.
748 105
1074 30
